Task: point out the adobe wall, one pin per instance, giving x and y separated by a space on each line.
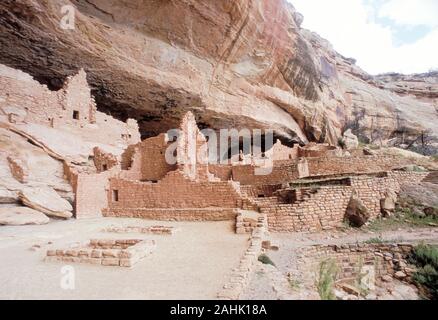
174 197
356 164
223 172
324 211
91 194
326 208
282 172
72 108
104 161
280 152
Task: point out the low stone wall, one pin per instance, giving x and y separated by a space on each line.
157 230
174 191
354 261
177 214
355 164
116 253
325 209
240 276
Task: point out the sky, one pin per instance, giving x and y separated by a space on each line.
382 35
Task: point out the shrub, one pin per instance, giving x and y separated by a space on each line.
328 271
425 257
266 260
341 143
376 240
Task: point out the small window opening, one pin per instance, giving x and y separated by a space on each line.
116 195
76 115
105 167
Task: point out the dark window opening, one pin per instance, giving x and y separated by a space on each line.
76 115
115 195
105 167
261 196
154 181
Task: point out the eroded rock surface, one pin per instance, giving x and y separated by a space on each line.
18 216
238 64
46 200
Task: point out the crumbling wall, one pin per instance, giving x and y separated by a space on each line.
280 152
103 160
282 172
325 209
72 108
154 166
91 194
352 261
356 164
174 197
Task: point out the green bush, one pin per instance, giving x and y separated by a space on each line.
425 257
341 143
266 260
328 271
376 240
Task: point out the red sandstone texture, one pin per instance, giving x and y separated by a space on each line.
261 71
233 63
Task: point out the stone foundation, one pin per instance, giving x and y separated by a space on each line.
116 253
240 276
156 230
353 261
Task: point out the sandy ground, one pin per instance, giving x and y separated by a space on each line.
194 263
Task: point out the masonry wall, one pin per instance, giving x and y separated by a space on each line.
326 208
384 259
91 194
223 172
72 108
358 164
103 160
282 172
174 197
153 166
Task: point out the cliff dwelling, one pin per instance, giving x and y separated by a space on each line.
223 152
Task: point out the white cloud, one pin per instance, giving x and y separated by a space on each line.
349 25
411 12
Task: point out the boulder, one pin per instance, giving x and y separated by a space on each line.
19 216
357 214
387 204
47 201
369 152
351 142
7 196
431 212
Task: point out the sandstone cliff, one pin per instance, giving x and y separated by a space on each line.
234 63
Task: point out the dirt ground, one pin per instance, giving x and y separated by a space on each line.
194 263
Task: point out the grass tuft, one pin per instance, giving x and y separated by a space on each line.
266 260
425 257
328 271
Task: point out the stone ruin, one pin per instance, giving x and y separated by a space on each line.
106 252
309 189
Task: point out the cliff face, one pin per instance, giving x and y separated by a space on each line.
234 63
